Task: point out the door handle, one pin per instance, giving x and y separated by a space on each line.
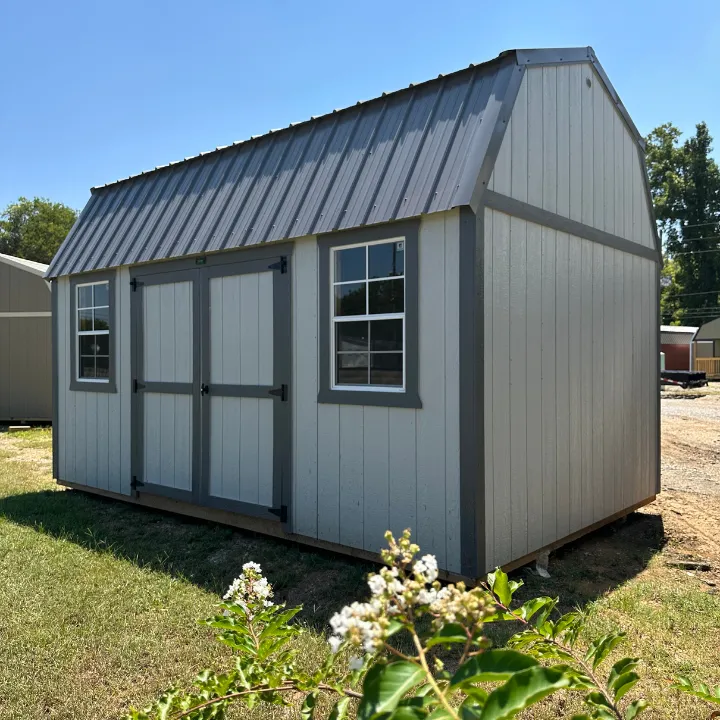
204 389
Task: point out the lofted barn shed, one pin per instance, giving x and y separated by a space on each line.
437 309
25 342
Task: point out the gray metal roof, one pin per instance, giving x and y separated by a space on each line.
414 151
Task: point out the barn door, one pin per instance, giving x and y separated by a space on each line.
166 391
245 387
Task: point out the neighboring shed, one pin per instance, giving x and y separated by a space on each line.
25 341
437 309
676 342
706 349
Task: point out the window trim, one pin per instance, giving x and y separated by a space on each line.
92 384
382 396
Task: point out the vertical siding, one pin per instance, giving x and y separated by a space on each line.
94 432
570 383
568 150
361 470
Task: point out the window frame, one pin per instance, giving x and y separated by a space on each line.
104 385
329 391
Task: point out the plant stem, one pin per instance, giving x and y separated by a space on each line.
431 679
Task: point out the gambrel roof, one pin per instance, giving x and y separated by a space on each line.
426 148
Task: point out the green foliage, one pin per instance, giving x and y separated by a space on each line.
444 624
701 690
685 187
34 229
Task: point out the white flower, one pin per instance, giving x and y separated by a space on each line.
356 663
426 567
377 584
335 643
253 566
426 597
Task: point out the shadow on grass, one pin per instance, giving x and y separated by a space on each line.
211 555
206 554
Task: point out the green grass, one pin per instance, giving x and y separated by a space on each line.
99 600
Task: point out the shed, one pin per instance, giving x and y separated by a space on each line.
676 342
706 349
25 341
436 309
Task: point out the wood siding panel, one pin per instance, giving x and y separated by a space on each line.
585 427
567 149
94 428
361 470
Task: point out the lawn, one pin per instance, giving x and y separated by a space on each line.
99 600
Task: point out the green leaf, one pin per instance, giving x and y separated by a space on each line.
498 582
385 685
625 665
491 666
582 716
531 607
522 690
440 713
450 633
340 708
307 711
635 708
700 690
598 700
624 684
599 649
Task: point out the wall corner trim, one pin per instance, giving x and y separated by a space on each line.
472 408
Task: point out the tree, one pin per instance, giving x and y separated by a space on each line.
34 229
685 188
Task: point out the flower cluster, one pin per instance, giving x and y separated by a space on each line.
402 591
251 590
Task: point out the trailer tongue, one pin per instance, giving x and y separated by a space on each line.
683 378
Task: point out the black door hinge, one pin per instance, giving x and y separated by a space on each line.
281 392
135 483
280 265
138 386
135 284
281 512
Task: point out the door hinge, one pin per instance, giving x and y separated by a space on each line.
138 386
135 284
281 392
280 265
281 512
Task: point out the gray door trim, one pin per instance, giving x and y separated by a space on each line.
530 213
282 371
472 394
137 354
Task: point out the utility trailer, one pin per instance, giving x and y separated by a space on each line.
683 378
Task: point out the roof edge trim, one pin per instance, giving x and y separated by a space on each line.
21 264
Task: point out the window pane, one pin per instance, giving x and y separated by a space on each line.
84 299
102 318
386 335
100 294
351 336
386 260
386 296
386 369
350 264
102 366
88 345
85 319
87 367
350 299
352 369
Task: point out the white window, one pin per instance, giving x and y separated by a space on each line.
368 315
93 332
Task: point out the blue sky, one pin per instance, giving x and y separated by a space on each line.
95 91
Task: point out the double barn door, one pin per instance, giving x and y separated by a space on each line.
210 385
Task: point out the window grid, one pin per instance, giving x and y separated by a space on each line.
79 309
367 317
